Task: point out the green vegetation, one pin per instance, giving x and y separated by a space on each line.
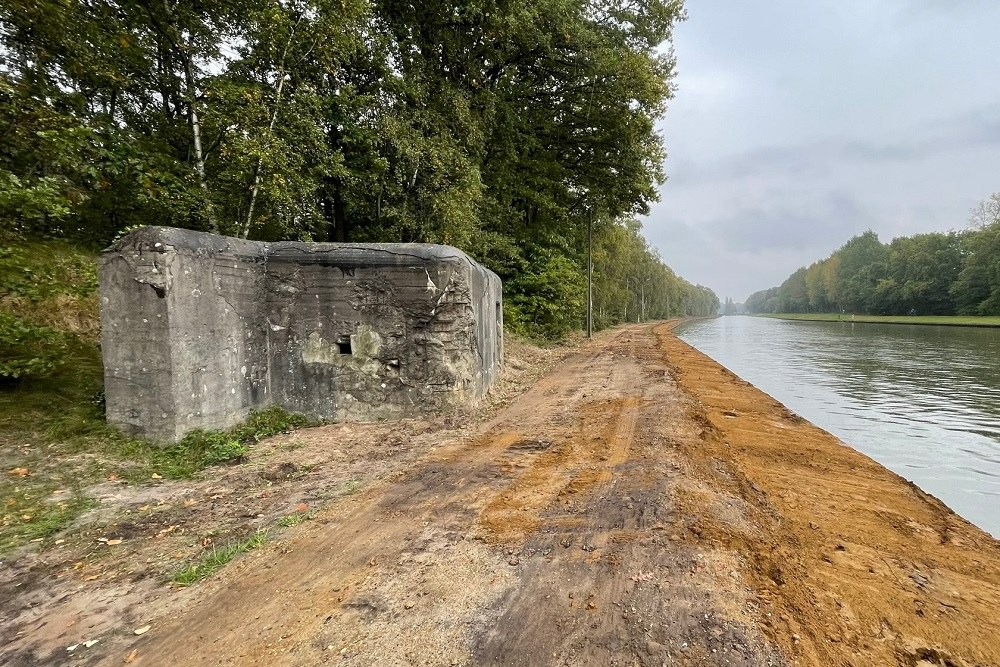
957 273
48 296
294 519
200 449
500 128
217 558
37 521
28 350
941 320
54 441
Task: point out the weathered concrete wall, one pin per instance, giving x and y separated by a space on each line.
199 329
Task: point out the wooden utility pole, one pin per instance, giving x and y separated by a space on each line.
642 301
590 275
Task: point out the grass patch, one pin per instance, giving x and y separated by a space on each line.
53 426
200 449
939 320
294 519
26 517
351 487
217 558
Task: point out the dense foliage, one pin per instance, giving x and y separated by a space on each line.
927 274
498 126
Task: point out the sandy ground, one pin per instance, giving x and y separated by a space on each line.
636 505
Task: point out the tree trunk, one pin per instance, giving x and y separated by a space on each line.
260 160
340 217
590 275
199 159
270 130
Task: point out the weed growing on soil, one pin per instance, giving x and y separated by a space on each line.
217 558
31 520
54 441
54 429
352 486
200 449
294 519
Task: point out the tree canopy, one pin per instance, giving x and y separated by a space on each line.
927 274
498 126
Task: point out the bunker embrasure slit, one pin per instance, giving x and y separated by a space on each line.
344 345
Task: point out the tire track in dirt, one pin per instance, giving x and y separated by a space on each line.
545 539
601 581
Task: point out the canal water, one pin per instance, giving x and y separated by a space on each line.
924 401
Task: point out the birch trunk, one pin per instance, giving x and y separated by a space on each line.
260 160
199 156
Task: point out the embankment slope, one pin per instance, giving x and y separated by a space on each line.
861 566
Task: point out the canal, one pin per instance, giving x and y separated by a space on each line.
924 401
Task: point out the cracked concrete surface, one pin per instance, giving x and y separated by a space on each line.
199 329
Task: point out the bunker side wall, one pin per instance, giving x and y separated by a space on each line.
488 313
369 333
183 342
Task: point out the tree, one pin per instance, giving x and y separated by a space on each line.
986 212
933 274
498 126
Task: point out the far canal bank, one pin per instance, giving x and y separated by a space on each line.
990 321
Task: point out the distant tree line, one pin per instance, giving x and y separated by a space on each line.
927 274
732 308
632 284
502 127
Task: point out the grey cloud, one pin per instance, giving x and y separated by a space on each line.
805 226
925 8
813 159
799 124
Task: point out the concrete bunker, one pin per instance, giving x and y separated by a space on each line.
199 329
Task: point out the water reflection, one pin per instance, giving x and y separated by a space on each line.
923 401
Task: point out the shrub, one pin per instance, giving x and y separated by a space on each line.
27 350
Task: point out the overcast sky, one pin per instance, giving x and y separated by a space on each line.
800 123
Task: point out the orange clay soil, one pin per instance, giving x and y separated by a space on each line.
637 506
861 566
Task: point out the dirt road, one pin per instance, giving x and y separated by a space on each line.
638 505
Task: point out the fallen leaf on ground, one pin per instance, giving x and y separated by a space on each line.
143 630
18 472
112 543
155 476
133 654
301 507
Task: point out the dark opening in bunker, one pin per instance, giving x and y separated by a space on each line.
344 345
